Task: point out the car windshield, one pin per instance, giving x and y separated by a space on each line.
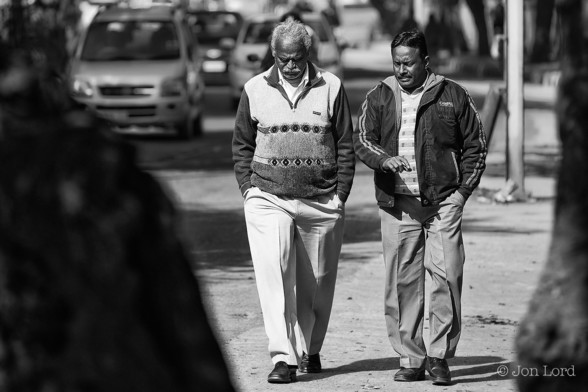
212 27
131 40
260 32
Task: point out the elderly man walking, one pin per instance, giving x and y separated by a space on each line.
422 135
294 163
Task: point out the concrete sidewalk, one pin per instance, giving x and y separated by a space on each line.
505 247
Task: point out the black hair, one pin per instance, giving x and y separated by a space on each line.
412 39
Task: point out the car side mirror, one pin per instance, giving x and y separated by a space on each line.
253 57
227 43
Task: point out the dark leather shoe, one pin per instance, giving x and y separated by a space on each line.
439 371
282 374
410 374
310 363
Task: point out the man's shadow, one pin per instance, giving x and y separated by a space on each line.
463 369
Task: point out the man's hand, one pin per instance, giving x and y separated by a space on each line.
397 164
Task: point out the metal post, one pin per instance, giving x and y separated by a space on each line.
515 113
419 13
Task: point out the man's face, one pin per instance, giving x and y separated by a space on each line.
291 58
410 69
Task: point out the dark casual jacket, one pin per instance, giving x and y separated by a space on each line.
450 144
300 149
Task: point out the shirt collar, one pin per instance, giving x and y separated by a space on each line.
303 82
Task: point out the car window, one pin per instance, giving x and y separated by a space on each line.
131 40
210 28
258 33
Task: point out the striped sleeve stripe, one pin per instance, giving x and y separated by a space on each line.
477 173
363 131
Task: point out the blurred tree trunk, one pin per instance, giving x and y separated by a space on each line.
478 11
15 23
97 288
553 332
542 44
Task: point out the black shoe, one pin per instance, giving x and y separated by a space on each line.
439 371
282 374
410 374
310 363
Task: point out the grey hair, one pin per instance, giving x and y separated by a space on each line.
291 30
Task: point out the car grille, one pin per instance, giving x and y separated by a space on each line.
131 111
127 91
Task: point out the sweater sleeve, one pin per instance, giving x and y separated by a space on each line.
342 131
366 137
243 143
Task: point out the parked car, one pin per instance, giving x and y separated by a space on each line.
252 43
216 32
140 69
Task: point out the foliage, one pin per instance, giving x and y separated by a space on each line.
44 28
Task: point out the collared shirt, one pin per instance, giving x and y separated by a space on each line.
407 182
294 92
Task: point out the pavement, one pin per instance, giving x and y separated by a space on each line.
506 245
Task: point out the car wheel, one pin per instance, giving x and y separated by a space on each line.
186 130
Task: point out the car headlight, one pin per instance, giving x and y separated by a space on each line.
173 87
82 88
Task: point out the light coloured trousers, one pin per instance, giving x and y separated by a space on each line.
295 246
418 239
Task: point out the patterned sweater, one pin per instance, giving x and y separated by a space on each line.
300 149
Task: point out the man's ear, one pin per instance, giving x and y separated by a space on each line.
426 61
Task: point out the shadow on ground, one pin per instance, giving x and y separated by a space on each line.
464 369
211 152
218 238
536 164
495 226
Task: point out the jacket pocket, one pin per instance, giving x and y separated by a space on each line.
456 199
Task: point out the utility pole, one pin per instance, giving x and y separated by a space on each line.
419 12
515 98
